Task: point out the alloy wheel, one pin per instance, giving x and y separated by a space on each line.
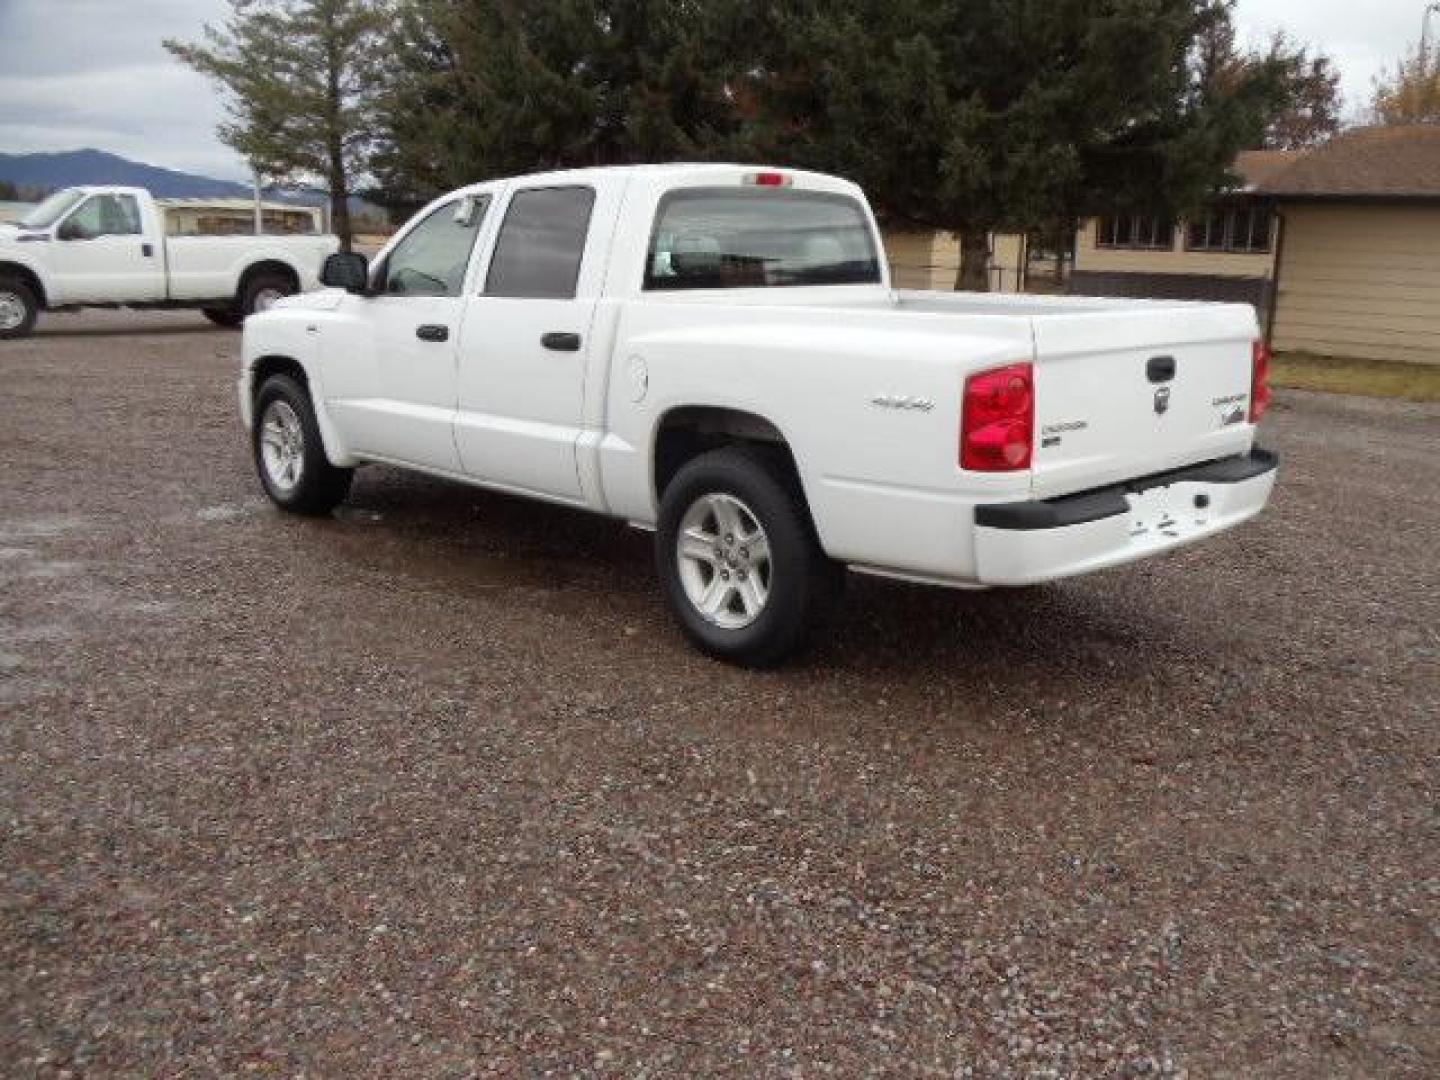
723 556
282 445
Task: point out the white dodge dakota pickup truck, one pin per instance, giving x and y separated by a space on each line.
110 247
715 352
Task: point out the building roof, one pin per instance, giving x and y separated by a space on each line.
1255 167
1377 162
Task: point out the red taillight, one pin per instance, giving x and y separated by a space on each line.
997 428
1260 382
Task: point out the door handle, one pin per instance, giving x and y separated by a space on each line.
432 332
1160 369
147 250
561 342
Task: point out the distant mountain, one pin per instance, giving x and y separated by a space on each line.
75 167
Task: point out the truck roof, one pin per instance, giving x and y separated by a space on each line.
683 172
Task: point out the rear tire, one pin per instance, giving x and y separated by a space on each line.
229 318
19 308
738 558
289 454
262 290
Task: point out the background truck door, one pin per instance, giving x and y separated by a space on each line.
102 252
526 338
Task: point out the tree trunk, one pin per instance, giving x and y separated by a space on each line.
974 275
1063 236
340 207
335 137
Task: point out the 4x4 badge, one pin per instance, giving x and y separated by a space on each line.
1162 399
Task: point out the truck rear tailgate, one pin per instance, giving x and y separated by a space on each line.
1133 391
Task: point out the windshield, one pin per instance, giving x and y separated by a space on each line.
52 209
746 238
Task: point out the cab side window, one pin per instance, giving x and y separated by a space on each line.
104 215
431 260
541 243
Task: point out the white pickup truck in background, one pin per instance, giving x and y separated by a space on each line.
715 352
119 247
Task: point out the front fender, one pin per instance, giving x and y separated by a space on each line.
14 255
280 335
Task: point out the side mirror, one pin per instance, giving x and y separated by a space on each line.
70 230
467 216
346 270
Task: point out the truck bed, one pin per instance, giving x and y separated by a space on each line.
1100 414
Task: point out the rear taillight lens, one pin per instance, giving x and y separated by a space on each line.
997 428
1260 382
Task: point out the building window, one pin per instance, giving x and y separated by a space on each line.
1140 232
1241 230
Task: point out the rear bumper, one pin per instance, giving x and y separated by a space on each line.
1026 542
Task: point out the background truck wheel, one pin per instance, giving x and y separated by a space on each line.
19 308
738 559
289 455
262 291
226 317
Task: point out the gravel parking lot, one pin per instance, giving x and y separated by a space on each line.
434 788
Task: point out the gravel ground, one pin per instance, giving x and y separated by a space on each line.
434 788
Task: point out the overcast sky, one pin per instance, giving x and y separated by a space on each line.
92 73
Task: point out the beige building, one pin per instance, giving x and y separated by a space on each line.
1226 253
931 260
1358 249
1338 247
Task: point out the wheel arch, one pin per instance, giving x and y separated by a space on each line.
272 364
29 276
279 267
266 367
684 432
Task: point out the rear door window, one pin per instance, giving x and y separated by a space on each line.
541 243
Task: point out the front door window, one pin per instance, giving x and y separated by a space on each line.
104 215
431 259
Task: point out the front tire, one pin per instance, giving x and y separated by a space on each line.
739 562
19 308
289 454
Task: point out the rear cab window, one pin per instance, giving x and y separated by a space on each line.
747 238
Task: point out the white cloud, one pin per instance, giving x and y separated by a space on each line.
93 73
